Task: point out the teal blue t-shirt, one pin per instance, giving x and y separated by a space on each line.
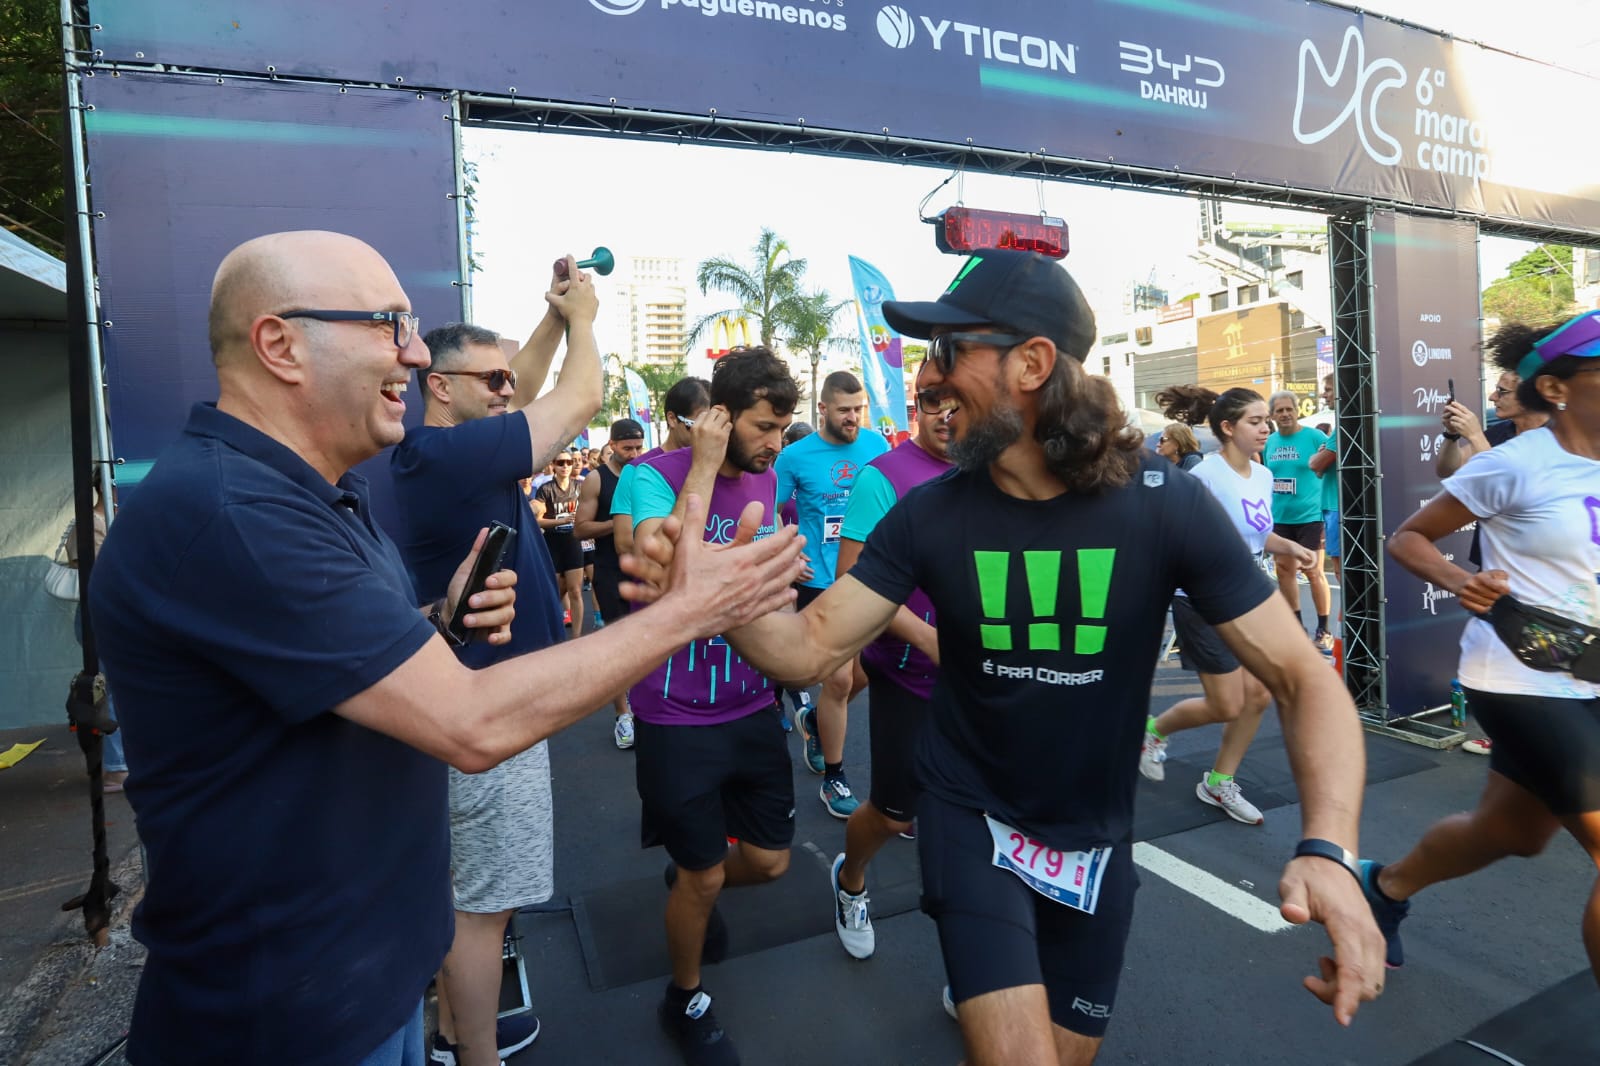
819 475
870 499
1330 485
1296 488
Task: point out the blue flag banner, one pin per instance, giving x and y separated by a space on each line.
638 400
882 363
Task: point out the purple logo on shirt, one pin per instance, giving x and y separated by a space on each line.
1594 517
1257 515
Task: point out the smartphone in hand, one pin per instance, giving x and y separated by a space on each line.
495 547
1450 387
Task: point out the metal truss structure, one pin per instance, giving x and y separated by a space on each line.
1360 502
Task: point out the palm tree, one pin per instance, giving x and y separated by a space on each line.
761 287
805 321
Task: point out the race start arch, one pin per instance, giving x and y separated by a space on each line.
201 125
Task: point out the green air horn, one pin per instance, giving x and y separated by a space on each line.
601 262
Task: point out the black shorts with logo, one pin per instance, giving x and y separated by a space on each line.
1306 534
701 784
995 932
1200 649
895 718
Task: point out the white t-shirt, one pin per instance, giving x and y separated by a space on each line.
1538 509
1247 500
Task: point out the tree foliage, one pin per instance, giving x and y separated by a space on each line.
761 286
1537 288
32 196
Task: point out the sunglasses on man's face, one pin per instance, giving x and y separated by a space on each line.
495 379
942 349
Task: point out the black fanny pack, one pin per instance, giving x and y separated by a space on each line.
1544 640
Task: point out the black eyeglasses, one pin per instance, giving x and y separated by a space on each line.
1498 392
405 323
495 379
942 349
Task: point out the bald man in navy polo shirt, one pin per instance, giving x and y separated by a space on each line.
293 709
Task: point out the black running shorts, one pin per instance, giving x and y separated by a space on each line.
805 596
996 932
607 599
894 718
564 551
1306 534
1200 649
701 784
1548 745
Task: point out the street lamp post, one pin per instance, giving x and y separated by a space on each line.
815 356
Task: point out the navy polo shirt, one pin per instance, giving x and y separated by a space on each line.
299 897
450 482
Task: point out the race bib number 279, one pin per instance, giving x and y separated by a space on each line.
1068 877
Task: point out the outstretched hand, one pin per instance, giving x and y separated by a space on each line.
732 584
1315 890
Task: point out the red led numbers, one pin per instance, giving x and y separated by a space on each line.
968 229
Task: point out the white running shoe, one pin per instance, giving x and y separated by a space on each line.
623 730
1152 756
850 918
1230 799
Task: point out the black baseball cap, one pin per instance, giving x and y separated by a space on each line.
1025 291
626 429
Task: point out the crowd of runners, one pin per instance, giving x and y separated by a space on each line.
999 584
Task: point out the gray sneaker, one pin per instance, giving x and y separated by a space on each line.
1230 799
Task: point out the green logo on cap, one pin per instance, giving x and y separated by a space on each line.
971 263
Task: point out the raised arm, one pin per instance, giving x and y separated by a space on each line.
533 359
555 418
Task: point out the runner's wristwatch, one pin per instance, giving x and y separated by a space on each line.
1327 849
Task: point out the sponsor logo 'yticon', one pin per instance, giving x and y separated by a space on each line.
812 14
900 29
1422 354
1445 142
1182 81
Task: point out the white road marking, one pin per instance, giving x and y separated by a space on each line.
1210 888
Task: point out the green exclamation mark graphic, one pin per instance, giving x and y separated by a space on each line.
1044 582
993 568
1094 588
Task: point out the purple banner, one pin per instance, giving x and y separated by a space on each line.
1301 95
184 169
1425 280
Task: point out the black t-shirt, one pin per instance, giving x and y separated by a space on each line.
559 503
1050 619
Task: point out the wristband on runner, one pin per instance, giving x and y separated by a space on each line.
1327 849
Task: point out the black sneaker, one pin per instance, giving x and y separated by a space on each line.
693 1027
511 1034
715 948
1386 912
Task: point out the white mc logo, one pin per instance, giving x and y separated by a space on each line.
895 26
1382 75
618 7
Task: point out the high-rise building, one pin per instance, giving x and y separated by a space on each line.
657 308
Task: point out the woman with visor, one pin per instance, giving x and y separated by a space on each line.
1536 499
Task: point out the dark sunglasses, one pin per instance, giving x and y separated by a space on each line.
561 462
928 400
942 349
405 323
495 379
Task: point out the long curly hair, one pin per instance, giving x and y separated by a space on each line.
1088 441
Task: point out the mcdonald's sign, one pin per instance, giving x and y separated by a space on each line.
726 334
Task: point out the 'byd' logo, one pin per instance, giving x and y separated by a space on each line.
1422 355
896 27
1169 73
1447 142
617 7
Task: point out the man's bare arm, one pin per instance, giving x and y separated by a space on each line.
800 649
474 719
533 360
585 527
906 625
555 418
